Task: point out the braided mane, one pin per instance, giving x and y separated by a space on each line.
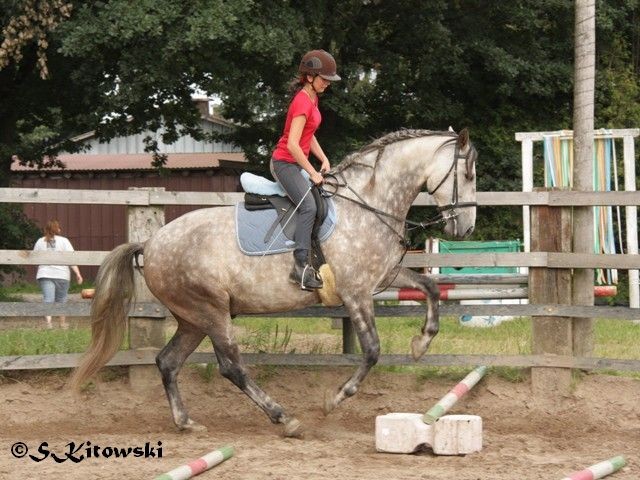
379 144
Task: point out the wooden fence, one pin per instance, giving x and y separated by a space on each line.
146 331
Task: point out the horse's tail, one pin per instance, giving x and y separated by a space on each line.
114 292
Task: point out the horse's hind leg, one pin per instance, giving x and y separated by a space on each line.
407 278
170 361
231 367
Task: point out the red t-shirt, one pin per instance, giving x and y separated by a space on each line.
300 105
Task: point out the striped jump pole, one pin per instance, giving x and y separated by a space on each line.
458 292
455 394
453 294
599 470
198 466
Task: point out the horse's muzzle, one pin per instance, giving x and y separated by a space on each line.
454 228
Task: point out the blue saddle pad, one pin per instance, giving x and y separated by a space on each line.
252 227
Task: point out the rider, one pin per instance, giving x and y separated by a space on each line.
316 72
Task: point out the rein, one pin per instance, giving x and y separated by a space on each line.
379 213
439 218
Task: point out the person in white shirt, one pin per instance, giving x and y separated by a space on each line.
54 279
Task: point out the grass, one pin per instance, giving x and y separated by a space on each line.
28 341
613 338
19 288
8 297
13 293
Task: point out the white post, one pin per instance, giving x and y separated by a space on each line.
527 186
631 218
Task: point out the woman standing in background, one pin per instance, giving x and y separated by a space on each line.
54 279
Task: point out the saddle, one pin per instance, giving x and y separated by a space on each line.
263 194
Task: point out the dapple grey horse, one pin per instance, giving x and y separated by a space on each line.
195 268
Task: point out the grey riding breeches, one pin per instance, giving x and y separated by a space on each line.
289 175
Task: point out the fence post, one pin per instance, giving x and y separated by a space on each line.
348 336
144 333
583 122
551 232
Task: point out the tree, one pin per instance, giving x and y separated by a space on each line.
125 67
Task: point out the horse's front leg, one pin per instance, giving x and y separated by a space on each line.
403 277
362 317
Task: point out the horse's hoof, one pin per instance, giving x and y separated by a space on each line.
329 403
417 347
192 427
293 429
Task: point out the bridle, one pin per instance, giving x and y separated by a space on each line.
441 217
469 159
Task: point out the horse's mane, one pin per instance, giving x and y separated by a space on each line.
380 143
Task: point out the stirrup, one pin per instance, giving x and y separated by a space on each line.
308 279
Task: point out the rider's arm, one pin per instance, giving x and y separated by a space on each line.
293 145
317 151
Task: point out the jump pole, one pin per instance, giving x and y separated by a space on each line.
455 394
599 470
198 466
464 292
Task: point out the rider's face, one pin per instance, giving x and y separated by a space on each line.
320 84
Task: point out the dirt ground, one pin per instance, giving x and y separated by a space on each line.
523 438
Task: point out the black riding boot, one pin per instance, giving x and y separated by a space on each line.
304 274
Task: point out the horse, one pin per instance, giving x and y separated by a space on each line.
194 267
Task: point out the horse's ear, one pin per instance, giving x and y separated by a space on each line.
463 138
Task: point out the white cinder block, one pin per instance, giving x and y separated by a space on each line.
449 435
457 435
401 432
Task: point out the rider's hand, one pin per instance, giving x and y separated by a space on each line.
316 178
325 167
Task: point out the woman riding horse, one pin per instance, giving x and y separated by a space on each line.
316 72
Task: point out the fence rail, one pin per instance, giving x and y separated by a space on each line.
154 310
147 357
411 259
158 197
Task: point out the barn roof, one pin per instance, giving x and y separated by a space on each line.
109 162
127 153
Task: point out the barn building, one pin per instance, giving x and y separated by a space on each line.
122 163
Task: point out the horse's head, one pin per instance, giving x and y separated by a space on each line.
454 186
